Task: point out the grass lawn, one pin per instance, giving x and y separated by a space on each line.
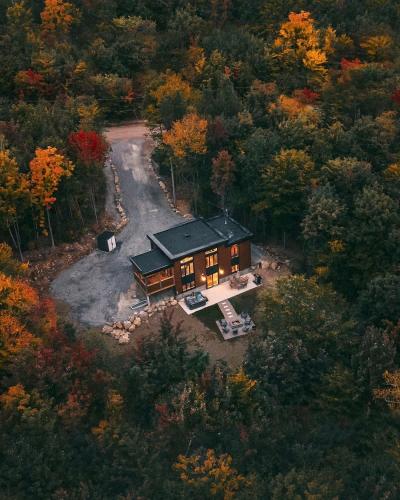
209 316
245 302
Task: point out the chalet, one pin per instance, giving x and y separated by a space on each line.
196 253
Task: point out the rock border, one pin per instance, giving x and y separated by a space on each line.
118 198
122 330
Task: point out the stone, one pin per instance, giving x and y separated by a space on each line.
107 329
124 339
161 303
162 185
127 325
174 302
132 328
143 314
137 321
116 334
118 325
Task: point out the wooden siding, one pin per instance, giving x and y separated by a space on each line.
244 255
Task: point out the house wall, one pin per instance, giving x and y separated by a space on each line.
224 263
244 255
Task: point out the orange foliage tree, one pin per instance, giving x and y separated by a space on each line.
187 136
47 169
17 300
57 16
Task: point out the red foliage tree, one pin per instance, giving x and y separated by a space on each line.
396 97
347 64
90 147
307 95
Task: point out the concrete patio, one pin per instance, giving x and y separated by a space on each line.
235 326
220 293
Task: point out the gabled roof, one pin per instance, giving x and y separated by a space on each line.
187 238
151 262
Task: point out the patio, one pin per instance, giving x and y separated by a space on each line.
220 293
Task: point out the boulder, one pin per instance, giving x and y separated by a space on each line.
137 321
127 325
124 339
174 302
132 328
162 185
107 329
118 325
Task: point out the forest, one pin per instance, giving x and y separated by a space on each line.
285 113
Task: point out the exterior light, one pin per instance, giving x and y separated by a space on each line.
221 272
203 278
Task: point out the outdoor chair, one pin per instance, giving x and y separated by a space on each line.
246 329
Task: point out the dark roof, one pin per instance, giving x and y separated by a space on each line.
105 235
190 237
151 262
230 229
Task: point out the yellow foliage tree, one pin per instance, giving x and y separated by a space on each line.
213 474
14 190
300 42
173 84
391 393
187 136
378 47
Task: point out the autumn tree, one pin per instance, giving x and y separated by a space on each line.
211 475
47 169
187 139
90 149
222 175
300 44
57 16
14 195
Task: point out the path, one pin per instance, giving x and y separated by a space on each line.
100 287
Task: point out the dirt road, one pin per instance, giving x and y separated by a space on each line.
100 287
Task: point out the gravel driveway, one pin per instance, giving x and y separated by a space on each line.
100 287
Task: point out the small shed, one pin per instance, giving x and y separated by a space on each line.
106 241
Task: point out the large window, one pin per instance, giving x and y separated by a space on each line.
211 257
187 266
187 274
234 258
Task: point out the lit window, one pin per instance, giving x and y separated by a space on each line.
187 266
211 257
234 268
188 286
234 251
